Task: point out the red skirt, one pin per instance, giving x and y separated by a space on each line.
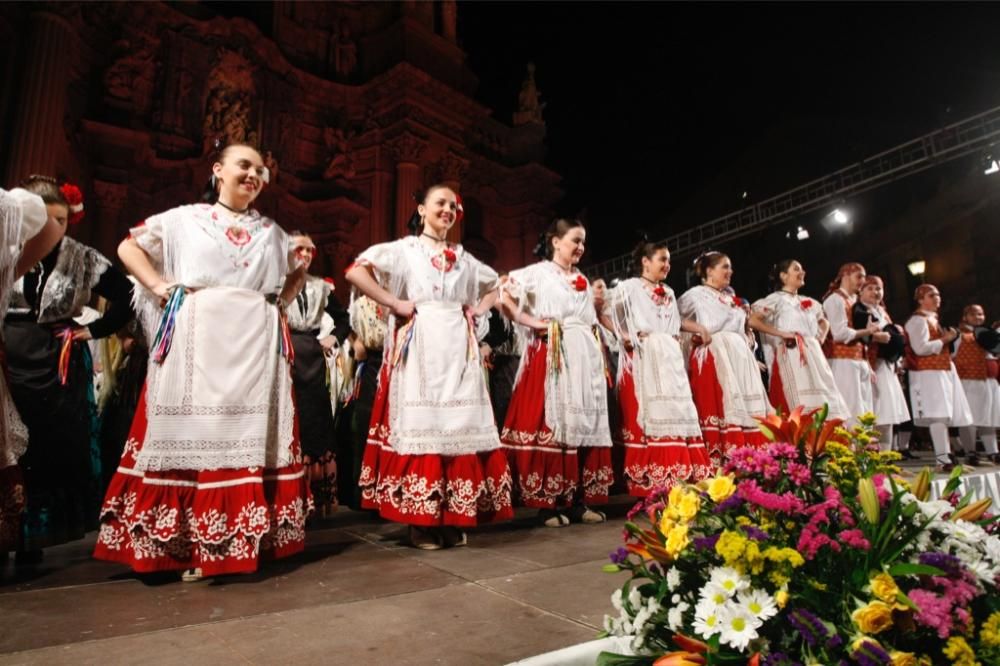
776 391
656 462
549 474
721 437
223 521
430 490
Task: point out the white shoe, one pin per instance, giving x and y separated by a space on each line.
192 575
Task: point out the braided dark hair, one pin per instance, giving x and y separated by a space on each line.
774 277
557 229
645 249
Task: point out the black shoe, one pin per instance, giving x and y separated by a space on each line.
905 454
28 558
972 460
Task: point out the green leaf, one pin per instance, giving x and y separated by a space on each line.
910 569
903 599
767 432
611 568
612 659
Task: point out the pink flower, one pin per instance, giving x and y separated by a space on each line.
799 473
935 612
854 539
783 503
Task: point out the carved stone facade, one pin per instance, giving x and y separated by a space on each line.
357 106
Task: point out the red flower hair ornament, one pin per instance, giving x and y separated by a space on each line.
74 197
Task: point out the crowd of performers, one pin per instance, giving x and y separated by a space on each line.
236 395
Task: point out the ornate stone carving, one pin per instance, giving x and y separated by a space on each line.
227 106
110 197
342 53
341 164
407 148
451 168
131 77
529 108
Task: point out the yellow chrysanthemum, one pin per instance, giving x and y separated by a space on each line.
730 547
989 635
959 652
677 540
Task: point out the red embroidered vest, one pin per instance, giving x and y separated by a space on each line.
970 361
939 361
855 350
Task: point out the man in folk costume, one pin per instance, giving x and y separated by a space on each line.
846 349
977 367
936 393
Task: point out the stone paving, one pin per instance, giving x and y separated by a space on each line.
355 596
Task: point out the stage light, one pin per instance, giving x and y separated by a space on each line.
802 233
840 217
991 167
917 267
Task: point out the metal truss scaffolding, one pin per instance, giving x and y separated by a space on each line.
969 136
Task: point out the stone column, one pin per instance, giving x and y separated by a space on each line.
406 149
110 199
38 135
449 20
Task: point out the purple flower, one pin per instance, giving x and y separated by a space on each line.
620 556
779 659
835 642
754 533
728 504
947 563
870 654
706 542
808 625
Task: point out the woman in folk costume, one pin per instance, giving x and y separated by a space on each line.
309 374
846 349
725 377
556 432
26 230
660 427
794 327
884 355
211 478
433 459
936 393
50 371
366 343
977 368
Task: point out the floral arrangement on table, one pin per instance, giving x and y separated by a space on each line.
810 550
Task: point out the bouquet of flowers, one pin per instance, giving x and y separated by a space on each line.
811 550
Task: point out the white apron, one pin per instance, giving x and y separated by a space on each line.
743 395
576 399
436 404
807 379
662 389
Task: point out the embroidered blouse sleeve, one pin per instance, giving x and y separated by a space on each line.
484 278
384 259
767 307
920 337
149 235
33 212
836 313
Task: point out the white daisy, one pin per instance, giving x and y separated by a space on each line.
738 628
708 619
758 603
635 598
730 579
616 599
715 593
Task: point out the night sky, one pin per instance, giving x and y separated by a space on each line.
660 115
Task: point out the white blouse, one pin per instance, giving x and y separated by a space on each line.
790 312
411 270
836 307
635 307
545 292
919 333
306 312
199 247
713 309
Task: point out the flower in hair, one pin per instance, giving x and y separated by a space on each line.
74 197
